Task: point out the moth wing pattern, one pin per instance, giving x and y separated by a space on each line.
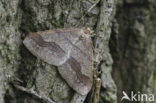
70 50
51 46
79 73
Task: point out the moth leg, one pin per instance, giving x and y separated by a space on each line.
34 93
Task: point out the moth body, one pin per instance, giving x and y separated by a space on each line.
68 49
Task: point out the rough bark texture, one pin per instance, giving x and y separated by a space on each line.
129 37
20 17
133 46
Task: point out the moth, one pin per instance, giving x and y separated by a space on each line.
68 49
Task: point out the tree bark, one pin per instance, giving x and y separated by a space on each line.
124 40
133 46
20 17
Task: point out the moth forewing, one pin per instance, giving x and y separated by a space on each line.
65 49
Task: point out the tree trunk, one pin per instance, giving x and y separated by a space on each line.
124 29
133 46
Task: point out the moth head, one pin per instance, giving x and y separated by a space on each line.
87 30
85 33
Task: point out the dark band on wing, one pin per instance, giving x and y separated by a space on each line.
77 68
69 32
51 45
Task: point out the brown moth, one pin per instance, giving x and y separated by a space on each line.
68 49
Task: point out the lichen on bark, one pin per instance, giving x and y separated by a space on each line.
20 17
